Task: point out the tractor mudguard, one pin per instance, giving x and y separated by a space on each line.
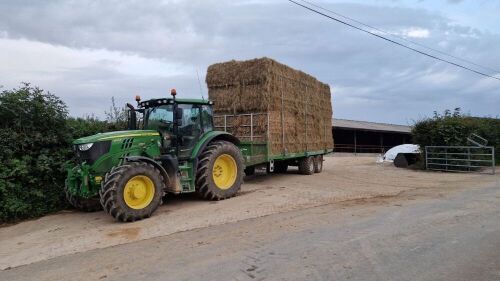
152 162
171 164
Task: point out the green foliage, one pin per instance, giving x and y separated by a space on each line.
35 137
34 143
454 128
90 125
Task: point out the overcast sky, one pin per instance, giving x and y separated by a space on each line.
87 51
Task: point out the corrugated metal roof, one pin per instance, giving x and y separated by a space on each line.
370 126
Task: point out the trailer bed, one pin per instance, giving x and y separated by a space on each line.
254 146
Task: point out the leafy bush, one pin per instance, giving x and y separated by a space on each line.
453 129
35 140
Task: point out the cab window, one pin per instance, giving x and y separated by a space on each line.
190 130
158 116
206 118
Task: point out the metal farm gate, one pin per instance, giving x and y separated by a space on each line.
460 158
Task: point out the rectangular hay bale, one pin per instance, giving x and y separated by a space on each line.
298 105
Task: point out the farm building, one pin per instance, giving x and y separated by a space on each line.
368 137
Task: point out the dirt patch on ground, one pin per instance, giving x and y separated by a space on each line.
128 233
352 179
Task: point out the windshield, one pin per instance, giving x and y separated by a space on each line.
155 117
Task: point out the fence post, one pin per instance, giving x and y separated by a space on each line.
446 158
355 143
468 158
426 160
251 127
493 159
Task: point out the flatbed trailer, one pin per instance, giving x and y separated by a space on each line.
281 116
256 148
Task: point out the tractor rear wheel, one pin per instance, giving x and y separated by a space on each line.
306 165
132 191
220 171
82 204
318 163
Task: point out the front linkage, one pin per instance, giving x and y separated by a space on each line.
81 188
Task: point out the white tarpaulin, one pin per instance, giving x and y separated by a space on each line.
404 148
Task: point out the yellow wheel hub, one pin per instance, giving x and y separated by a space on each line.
139 192
224 171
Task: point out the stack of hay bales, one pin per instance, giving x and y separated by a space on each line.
298 105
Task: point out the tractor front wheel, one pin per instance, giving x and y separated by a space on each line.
132 191
220 171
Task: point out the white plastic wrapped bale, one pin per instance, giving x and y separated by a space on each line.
391 154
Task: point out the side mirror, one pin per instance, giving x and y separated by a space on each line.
178 116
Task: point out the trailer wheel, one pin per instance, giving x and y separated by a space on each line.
132 191
306 165
220 171
280 167
82 204
318 163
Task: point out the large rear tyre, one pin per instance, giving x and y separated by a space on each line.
220 171
318 163
132 191
82 204
306 165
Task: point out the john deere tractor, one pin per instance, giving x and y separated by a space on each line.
172 149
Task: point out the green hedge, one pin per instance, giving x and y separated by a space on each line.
453 128
35 138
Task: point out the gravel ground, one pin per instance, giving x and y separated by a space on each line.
343 179
422 234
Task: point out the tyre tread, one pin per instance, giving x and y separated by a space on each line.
109 197
305 166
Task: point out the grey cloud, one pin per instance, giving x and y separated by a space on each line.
376 80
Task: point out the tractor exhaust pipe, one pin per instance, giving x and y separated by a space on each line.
132 117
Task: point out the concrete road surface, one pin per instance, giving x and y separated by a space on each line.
423 234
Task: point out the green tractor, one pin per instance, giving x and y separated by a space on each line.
173 149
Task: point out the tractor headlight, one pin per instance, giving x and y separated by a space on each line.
85 147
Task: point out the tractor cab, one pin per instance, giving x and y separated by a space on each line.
180 122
